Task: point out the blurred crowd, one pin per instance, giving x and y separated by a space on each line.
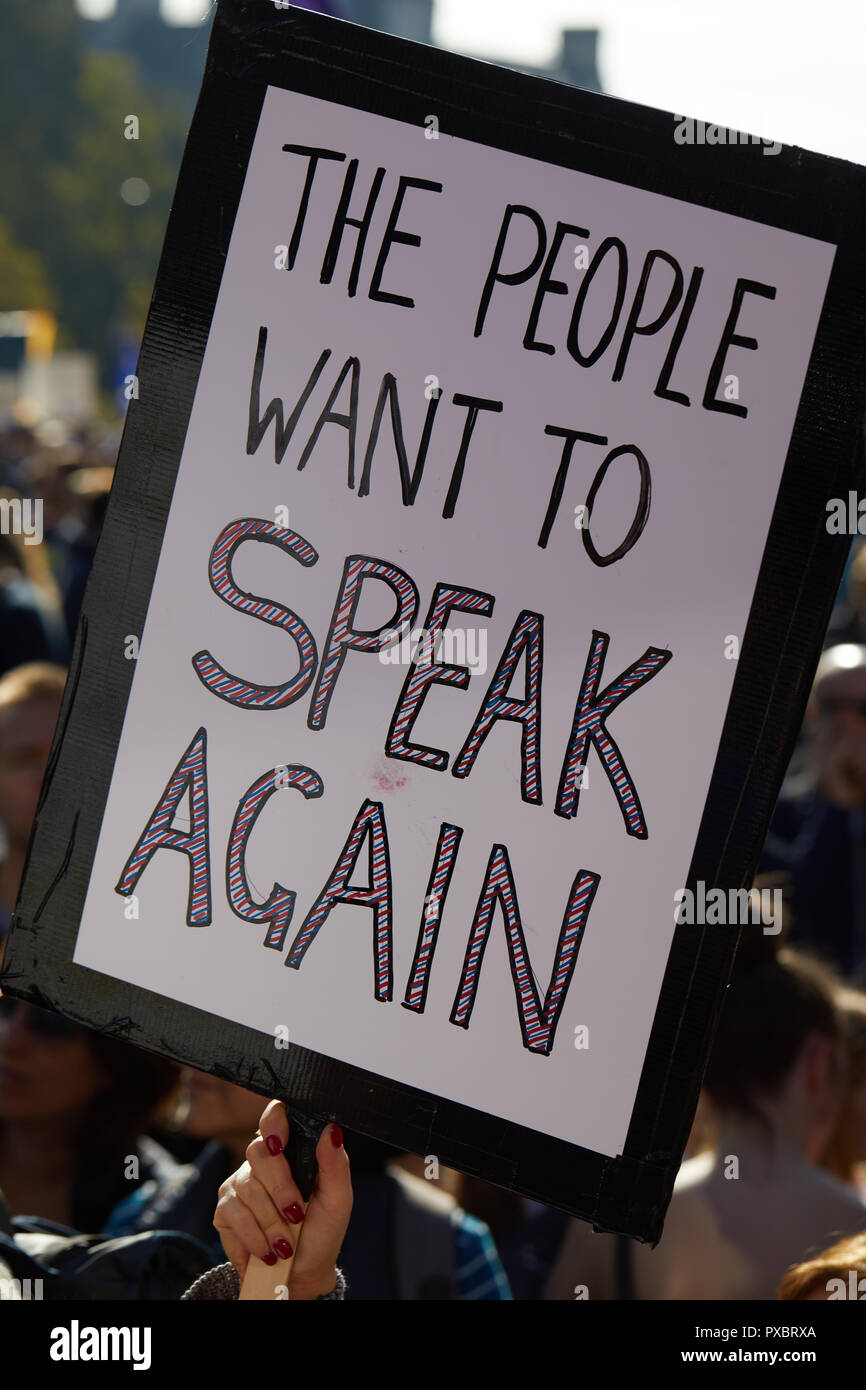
99 1138
65 477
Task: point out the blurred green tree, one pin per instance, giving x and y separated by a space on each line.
65 158
24 280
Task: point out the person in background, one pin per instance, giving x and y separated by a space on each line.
74 1108
32 626
845 1154
411 1240
856 588
431 1247
527 1233
18 444
848 619
30 698
837 1273
818 832
757 1201
90 488
258 1211
69 542
223 1115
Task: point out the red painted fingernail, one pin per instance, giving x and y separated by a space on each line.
270 1258
283 1249
274 1145
336 1136
294 1213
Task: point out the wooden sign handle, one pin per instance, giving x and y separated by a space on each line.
270 1282
266 1281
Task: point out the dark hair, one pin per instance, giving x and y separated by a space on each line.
772 1005
115 1121
139 1082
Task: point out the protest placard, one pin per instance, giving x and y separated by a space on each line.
462 581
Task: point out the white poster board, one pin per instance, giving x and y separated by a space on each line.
674 607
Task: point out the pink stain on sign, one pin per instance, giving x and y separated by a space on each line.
387 781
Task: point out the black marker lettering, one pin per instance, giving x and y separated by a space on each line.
514 277
587 360
678 335
632 325
571 437
313 155
473 404
392 235
732 339
546 285
343 220
258 423
409 482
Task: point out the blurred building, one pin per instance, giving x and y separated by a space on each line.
167 55
408 19
577 63
413 19
170 55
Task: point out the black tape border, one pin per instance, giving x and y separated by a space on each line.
254 44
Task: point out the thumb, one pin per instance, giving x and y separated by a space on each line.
333 1189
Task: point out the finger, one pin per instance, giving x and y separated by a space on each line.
279 1232
275 1121
233 1218
272 1170
274 1130
324 1230
333 1190
256 1199
236 1252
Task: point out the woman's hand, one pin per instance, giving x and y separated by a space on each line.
260 1209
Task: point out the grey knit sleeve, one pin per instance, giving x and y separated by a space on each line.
222 1282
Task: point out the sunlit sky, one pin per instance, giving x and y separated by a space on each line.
783 69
